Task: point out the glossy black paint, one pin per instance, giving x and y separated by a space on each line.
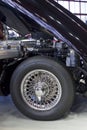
49 17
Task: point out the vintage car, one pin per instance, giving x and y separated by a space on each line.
45 72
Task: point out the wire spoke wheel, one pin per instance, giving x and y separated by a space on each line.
41 90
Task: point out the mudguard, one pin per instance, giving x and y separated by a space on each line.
47 16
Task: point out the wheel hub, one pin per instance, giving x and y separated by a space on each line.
41 90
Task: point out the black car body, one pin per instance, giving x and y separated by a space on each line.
44 19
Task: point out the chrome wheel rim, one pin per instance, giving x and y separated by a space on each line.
41 90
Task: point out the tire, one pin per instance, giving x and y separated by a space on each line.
42 89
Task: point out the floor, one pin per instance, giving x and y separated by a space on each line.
12 119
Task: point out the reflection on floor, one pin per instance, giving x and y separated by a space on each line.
12 119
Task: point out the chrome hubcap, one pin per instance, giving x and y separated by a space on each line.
41 90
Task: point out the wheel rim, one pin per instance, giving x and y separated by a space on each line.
41 90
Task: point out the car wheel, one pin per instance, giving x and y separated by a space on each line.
42 89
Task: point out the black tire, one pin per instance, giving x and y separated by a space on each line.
66 100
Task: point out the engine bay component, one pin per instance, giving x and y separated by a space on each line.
8 49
